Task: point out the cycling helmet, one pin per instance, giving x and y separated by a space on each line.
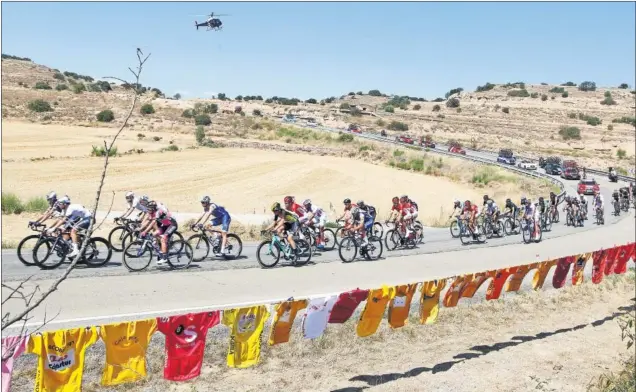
205 200
346 201
289 199
485 197
489 202
523 200
276 207
582 197
51 198
552 194
144 200
64 200
467 203
395 200
355 211
404 197
307 202
152 205
457 203
130 196
361 203
541 199
508 201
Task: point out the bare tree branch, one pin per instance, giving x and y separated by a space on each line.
112 201
30 300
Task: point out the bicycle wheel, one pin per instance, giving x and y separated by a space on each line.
525 230
234 247
466 237
27 242
137 255
500 230
481 229
329 238
177 237
116 238
200 246
338 235
374 248
179 254
391 240
98 252
47 254
377 229
265 249
539 235
555 216
349 247
488 230
548 223
128 238
304 252
419 233
454 229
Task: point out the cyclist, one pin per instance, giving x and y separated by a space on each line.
486 198
346 215
543 208
456 204
406 211
315 216
615 197
624 193
553 203
217 215
74 217
531 212
53 211
512 210
361 222
583 204
395 210
284 220
368 209
598 202
414 210
164 225
290 205
576 207
134 203
492 210
470 212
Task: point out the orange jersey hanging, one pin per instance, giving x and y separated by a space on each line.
400 305
429 301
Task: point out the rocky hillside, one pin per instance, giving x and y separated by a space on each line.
595 127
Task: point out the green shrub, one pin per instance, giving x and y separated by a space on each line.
518 93
389 109
188 113
591 120
534 95
199 134
202 119
344 106
11 203
101 151
565 94
39 106
398 126
105 116
544 97
569 84
625 120
572 115
557 90
568 133
459 110
380 123
375 93
79 88
42 86
485 87
485 175
610 127
345 137
417 107
505 110
519 85
624 86
608 99
147 109
312 100
620 153
172 147
436 108
417 164
61 87
401 102
398 153
587 86
454 91
256 113
10 57
36 204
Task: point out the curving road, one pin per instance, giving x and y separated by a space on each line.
112 293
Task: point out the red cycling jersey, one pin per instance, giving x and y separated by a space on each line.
406 208
298 210
395 207
473 208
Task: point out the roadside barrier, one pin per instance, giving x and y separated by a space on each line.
62 353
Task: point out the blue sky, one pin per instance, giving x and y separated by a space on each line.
317 50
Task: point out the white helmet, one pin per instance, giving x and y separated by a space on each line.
64 200
130 195
307 202
51 196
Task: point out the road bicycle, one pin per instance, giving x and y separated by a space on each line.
277 247
493 228
311 233
530 233
512 225
352 243
396 237
624 204
29 242
617 207
377 230
210 240
467 235
554 216
546 221
135 235
142 250
118 233
51 250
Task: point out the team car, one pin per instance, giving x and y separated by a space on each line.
527 165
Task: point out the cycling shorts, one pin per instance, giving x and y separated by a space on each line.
80 224
320 221
167 227
224 220
291 227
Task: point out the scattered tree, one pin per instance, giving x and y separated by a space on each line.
587 86
202 119
557 90
221 96
177 96
256 113
311 100
624 86
452 103
375 93
565 94
105 116
398 126
42 86
454 91
199 134
608 99
518 93
544 97
485 87
61 87
569 84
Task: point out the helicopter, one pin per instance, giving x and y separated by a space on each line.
211 23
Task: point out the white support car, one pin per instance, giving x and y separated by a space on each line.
527 165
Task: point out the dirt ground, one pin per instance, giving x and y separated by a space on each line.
557 340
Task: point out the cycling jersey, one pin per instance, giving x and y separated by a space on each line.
317 211
136 203
76 212
472 209
369 209
615 195
530 209
298 210
217 210
512 207
395 207
362 216
414 205
493 208
553 199
542 208
598 200
288 217
405 208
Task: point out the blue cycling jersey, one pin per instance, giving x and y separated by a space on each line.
217 210
365 216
